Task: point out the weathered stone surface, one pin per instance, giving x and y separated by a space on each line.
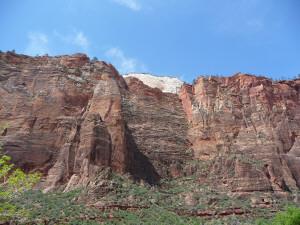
71 118
165 84
176 170
156 131
62 122
190 169
190 200
74 61
72 183
248 128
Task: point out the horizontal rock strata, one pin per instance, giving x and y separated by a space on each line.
248 127
70 118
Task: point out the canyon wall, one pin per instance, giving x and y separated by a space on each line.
248 127
64 116
69 118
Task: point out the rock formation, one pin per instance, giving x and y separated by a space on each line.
70 118
165 84
156 131
249 127
64 116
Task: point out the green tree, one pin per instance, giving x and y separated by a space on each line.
290 217
13 183
78 70
194 81
95 59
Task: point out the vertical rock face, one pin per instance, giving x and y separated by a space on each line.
156 131
64 116
70 118
249 127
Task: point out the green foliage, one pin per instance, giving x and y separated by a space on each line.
199 163
61 208
13 184
154 204
55 206
194 81
290 217
78 70
95 59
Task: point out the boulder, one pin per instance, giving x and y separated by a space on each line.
190 200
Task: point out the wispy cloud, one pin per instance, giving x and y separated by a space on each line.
78 39
81 41
124 64
38 44
132 4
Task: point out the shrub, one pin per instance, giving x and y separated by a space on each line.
290 217
95 59
12 186
78 70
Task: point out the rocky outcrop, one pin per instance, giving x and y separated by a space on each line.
165 84
64 116
248 127
71 118
156 131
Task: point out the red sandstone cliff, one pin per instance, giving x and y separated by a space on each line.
249 127
70 118
64 116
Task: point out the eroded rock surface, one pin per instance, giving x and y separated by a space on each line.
64 116
71 118
248 127
156 131
165 84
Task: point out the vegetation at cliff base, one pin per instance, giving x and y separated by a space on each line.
290 217
13 184
128 201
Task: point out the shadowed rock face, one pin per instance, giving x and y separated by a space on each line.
157 131
71 118
249 127
64 116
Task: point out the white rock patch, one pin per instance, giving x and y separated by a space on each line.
165 84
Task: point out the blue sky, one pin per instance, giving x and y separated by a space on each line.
183 38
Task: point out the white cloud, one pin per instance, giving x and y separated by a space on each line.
38 44
123 64
82 41
132 4
78 39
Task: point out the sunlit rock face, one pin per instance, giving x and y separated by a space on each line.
165 84
249 127
71 118
64 116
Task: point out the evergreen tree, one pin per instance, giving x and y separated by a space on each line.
95 59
